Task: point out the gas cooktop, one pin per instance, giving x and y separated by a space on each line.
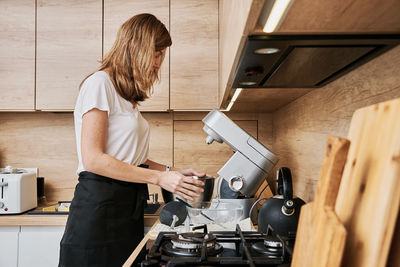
233 248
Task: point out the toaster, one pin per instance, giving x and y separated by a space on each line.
18 190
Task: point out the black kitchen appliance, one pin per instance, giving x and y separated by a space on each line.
305 60
224 248
281 211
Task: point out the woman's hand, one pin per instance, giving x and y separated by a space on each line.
181 185
191 172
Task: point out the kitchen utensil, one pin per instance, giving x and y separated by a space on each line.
226 192
18 190
208 218
171 209
281 211
369 195
321 237
190 206
251 162
204 196
40 191
218 212
154 197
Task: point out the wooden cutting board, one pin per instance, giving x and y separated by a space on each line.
369 194
320 235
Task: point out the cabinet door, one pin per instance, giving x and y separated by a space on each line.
194 54
39 245
9 246
17 55
116 12
69 43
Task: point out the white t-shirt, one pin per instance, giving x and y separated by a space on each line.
128 132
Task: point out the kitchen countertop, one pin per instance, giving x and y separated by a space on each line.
54 219
135 253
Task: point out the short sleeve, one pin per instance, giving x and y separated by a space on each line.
94 93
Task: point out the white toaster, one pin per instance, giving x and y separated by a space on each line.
18 190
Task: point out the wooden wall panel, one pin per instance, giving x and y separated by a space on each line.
266 99
69 42
300 129
116 12
161 141
194 54
17 55
45 141
342 16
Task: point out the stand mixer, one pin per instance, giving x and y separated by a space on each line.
251 162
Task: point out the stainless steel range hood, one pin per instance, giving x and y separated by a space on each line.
303 61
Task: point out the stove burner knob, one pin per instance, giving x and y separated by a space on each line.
150 263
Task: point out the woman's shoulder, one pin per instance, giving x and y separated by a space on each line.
98 83
98 77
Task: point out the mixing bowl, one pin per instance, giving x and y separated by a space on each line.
216 211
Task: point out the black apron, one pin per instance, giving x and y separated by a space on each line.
105 222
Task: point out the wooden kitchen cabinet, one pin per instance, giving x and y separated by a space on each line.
69 47
17 55
116 12
194 54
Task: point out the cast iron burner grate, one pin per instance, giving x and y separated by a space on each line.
224 248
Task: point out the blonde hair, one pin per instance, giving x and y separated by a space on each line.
129 63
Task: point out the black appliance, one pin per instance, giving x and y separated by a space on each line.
307 60
222 248
281 211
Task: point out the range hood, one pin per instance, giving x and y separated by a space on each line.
304 61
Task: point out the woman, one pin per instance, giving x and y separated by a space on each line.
105 223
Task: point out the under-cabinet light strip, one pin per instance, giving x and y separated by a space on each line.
277 13
234 97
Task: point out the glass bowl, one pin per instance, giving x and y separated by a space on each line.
217 211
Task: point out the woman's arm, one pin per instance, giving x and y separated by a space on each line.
160 167
94 159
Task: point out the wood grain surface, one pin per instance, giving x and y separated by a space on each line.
266 99
69 47
236 20
17 55
47 141
194 54
321 236
161 142
369 195
335 157
394 259
300 129
342 16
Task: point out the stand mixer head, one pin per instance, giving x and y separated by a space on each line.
246 170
